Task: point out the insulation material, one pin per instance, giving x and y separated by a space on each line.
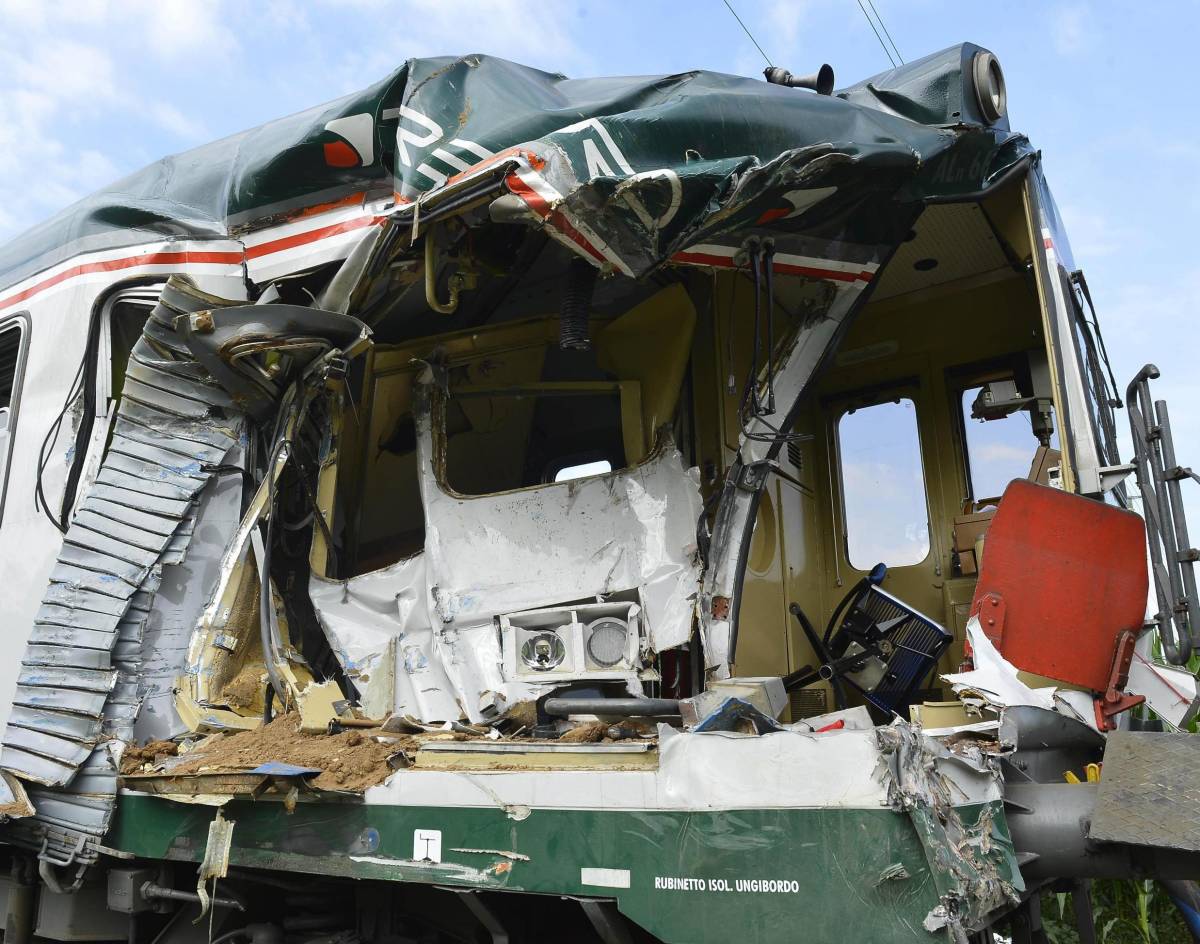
80 686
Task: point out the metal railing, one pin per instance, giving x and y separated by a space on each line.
1172 558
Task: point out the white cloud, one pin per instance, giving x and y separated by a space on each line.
64 69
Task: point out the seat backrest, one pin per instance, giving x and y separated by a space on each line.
1061 577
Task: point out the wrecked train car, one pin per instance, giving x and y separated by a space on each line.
501 506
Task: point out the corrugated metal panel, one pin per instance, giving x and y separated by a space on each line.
78 693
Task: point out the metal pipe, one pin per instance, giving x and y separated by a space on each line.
1175 496
1177 645
454 283
151 891
636 707
18 920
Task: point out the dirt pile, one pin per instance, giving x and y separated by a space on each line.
351 760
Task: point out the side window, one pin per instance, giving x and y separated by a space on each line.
1001 442
124 316
13 335
883 485
582 470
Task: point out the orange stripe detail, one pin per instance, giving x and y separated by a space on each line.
311 236
114 265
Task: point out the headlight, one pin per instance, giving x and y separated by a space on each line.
607 638
989 86
543 652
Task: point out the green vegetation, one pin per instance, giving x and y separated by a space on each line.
1127 912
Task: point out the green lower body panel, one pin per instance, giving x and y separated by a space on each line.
759 875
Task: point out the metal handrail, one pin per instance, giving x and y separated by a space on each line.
1171 555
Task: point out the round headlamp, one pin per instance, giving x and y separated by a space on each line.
606 641
543 652
990 93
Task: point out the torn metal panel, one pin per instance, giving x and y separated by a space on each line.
379 627
184 590
759 443
227 341
79 681
994 677
586 538
420 637
953 801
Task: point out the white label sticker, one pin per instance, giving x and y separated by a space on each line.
427 845
605 878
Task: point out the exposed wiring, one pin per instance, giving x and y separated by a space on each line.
39 495
752 409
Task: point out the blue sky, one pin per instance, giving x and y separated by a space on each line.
93 89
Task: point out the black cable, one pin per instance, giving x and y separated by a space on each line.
887 52
748 33
274 684
883 26
39 495
749 387
769 265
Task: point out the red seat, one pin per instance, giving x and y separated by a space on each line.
1062 577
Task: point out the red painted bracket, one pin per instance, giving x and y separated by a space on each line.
1115 700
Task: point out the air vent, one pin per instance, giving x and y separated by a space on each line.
808 702
795 456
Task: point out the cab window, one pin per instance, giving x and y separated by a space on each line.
1001 437
883 485
13 334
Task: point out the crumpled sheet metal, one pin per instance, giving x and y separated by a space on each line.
379 628
493 554
994 677
995 680
419 637
183 592
79 690
629 172
953 800
758 445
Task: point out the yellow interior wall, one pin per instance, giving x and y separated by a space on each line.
919 335
647 349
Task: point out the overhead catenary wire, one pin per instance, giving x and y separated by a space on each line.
886 32
746 29
874 29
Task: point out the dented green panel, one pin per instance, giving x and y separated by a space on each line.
686 871
714 153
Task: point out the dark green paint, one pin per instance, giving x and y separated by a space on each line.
838 857
738 146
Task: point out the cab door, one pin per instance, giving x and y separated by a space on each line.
882 457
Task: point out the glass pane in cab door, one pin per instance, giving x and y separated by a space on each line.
883 486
